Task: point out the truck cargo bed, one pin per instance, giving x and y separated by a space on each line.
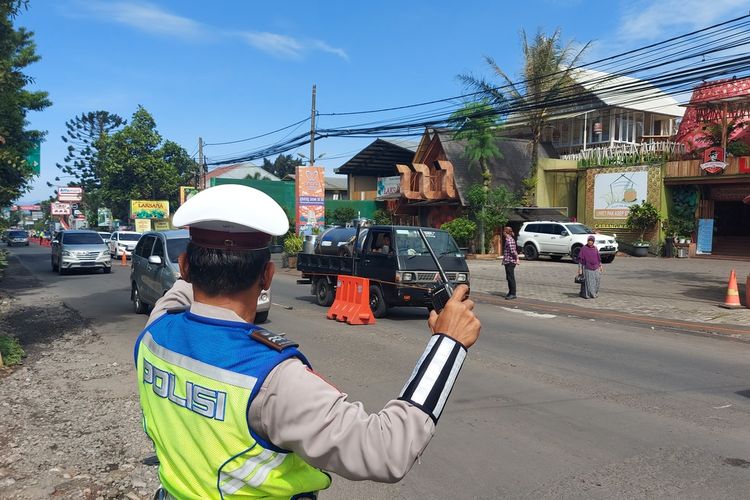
309 263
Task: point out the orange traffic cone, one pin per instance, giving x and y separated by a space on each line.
732 300
125 262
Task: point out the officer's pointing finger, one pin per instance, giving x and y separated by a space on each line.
460 293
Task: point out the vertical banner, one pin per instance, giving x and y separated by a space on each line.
705 236
310 196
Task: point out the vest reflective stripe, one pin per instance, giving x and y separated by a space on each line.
196 415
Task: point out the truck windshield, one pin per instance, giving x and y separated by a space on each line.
409 243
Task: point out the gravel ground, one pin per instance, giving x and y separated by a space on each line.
66 417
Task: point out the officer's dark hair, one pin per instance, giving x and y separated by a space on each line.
222 272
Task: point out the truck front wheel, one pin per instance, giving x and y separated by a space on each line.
377 303
323 292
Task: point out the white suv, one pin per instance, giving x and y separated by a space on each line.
558 239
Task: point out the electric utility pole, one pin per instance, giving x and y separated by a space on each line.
312 129
201 171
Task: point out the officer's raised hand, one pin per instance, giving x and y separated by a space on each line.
457 320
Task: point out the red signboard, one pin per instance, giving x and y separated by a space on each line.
713 160
743 164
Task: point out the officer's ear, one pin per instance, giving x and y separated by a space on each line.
267 275
184 267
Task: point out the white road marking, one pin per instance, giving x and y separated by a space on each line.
531 314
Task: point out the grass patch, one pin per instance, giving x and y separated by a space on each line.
11 350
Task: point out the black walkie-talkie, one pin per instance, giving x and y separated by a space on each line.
441 293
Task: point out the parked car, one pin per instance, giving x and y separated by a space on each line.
123 242
79 249
105 236
16 237
155 269
558 239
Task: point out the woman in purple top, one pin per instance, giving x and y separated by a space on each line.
590 265
510 261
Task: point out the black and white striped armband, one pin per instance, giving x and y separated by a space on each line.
432 380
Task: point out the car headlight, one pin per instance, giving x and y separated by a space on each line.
404 276
67 254
263 297
103 253
461 278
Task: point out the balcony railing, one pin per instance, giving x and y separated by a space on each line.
627 154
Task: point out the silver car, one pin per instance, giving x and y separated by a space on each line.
17 237
155 269
79 250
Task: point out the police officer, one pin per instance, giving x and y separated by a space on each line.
234 410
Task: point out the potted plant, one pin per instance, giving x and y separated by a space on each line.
642 217
292 246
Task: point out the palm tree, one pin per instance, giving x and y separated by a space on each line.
546 78
476 124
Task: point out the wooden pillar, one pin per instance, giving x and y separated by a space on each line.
724 129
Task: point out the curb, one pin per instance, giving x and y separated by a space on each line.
730 332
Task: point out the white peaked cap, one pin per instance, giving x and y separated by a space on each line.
233 208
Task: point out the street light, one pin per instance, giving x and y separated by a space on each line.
308 159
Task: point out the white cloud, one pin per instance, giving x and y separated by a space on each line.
648 20
146 17
287 46
153 19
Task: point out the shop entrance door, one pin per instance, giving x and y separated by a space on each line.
732 223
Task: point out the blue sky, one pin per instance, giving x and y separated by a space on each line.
229 70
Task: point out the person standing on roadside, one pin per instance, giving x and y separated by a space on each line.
510 260
590 265
235 411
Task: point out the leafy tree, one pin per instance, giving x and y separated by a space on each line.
462 229
137 164
342 215
282 165
546 78
382 217
17 51
84 135
491 208
476 123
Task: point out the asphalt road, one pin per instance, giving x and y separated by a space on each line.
546 406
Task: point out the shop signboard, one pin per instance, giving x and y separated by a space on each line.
149 209
389 187
310 199
161 225
29 208
36 215
57 208
187 192
142 225
73 194
713 161
615 193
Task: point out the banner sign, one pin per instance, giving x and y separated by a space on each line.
34 157
149 209
705 236
29 208
142 225
310 185
389 187
615 193
104 217
713 161
69 194
57 208
187 192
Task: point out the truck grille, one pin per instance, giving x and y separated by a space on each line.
433 276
